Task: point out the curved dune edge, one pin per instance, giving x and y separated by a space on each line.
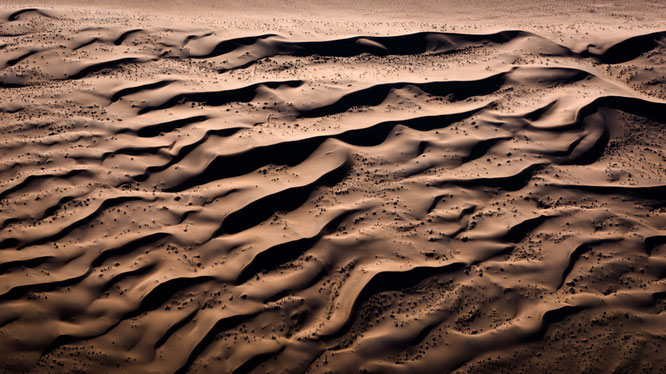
177 200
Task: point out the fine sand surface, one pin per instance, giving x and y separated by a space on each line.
417 187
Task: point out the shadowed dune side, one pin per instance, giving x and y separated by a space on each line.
219 98
399 45
375 95
14 16
195 199
227 46
627 49
131 90
264 46
390 45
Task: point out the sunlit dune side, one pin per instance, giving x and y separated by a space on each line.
206 198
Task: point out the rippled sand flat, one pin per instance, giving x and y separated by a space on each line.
380 192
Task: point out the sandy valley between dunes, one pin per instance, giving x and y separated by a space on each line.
294 187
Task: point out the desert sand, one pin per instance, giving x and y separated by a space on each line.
384 187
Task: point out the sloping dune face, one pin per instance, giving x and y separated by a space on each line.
176 200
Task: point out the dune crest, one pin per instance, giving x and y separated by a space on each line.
191 200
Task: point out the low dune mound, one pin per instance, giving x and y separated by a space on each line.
202 200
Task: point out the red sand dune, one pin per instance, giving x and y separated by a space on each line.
345 190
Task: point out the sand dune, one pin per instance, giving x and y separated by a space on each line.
202 199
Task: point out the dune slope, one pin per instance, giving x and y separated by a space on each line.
176 200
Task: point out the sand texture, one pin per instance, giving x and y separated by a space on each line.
331 195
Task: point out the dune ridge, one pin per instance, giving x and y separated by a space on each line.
189 201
